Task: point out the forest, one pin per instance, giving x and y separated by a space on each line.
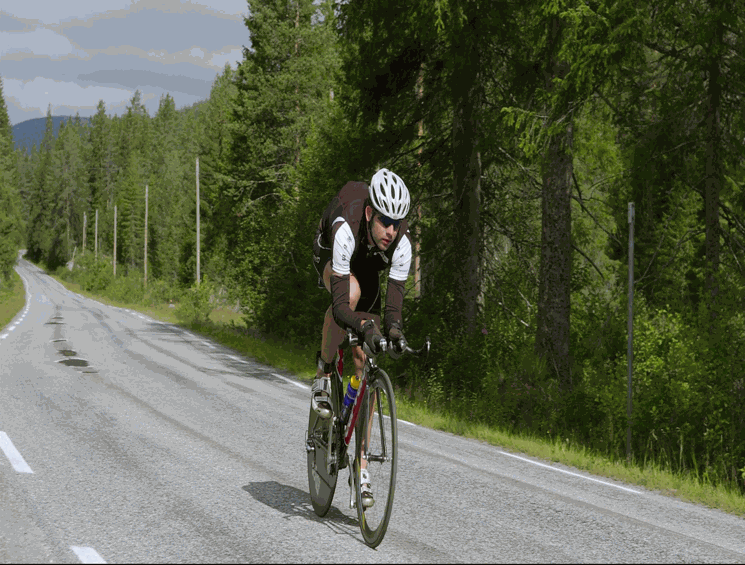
523 131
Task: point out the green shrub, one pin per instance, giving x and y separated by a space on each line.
161 292
128 288
92 275
196 302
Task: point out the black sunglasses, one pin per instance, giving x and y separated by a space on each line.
386 221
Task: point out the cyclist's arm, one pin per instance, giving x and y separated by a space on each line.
394 297
394 300
343 314
342 245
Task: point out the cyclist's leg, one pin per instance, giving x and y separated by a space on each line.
332 337
369 302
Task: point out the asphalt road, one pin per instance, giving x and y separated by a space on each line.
155 445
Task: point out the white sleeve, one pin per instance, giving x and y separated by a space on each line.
343 247
401 260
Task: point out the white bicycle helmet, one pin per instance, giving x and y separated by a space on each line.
389 194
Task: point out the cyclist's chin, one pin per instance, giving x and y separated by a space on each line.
383 244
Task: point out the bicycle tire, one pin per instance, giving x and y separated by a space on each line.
325 439
381 454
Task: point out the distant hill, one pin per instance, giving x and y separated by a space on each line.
31 132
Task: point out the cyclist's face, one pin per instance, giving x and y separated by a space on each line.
382 236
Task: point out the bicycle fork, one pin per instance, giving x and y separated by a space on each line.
352 491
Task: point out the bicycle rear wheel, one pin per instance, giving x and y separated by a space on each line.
322 445
377 446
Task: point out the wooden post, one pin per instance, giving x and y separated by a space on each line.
146 191
198 265
114 258
96 236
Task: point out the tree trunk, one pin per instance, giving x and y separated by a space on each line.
554 297
467 181
713 173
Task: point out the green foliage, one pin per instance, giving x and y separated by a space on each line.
128 288
160 291
197 302
93 275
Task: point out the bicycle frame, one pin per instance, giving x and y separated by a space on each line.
349 427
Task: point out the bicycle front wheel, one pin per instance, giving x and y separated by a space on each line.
377 450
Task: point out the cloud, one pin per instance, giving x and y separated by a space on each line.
40 42
70 68
152 30
30 99
38 12
39 93
233 57
53 11
134 79
10 23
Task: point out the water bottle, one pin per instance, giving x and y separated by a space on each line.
349 397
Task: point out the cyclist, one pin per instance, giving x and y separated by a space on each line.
362 232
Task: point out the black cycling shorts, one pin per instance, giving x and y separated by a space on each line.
368 279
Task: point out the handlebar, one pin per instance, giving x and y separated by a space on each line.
352 340
423 351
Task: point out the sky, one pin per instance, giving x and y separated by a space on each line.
69 54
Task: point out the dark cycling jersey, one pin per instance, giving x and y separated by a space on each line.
342 235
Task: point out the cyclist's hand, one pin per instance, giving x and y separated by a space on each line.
397 340
371 336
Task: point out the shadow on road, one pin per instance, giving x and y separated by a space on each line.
295 502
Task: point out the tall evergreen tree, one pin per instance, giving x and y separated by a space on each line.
10 220
281 82
41 198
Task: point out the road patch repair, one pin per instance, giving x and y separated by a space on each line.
64 348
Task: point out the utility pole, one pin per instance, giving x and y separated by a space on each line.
198 266
146 191
630 352
96 235
114 259
85 224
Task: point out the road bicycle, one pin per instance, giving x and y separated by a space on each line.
372 418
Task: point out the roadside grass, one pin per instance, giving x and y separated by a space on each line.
12 300
228 328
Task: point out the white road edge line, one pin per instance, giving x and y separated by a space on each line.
12 454
87 554
291 381
567 472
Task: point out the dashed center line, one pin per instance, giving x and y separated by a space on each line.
87 554
13 455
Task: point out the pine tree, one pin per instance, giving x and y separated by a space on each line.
10 221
